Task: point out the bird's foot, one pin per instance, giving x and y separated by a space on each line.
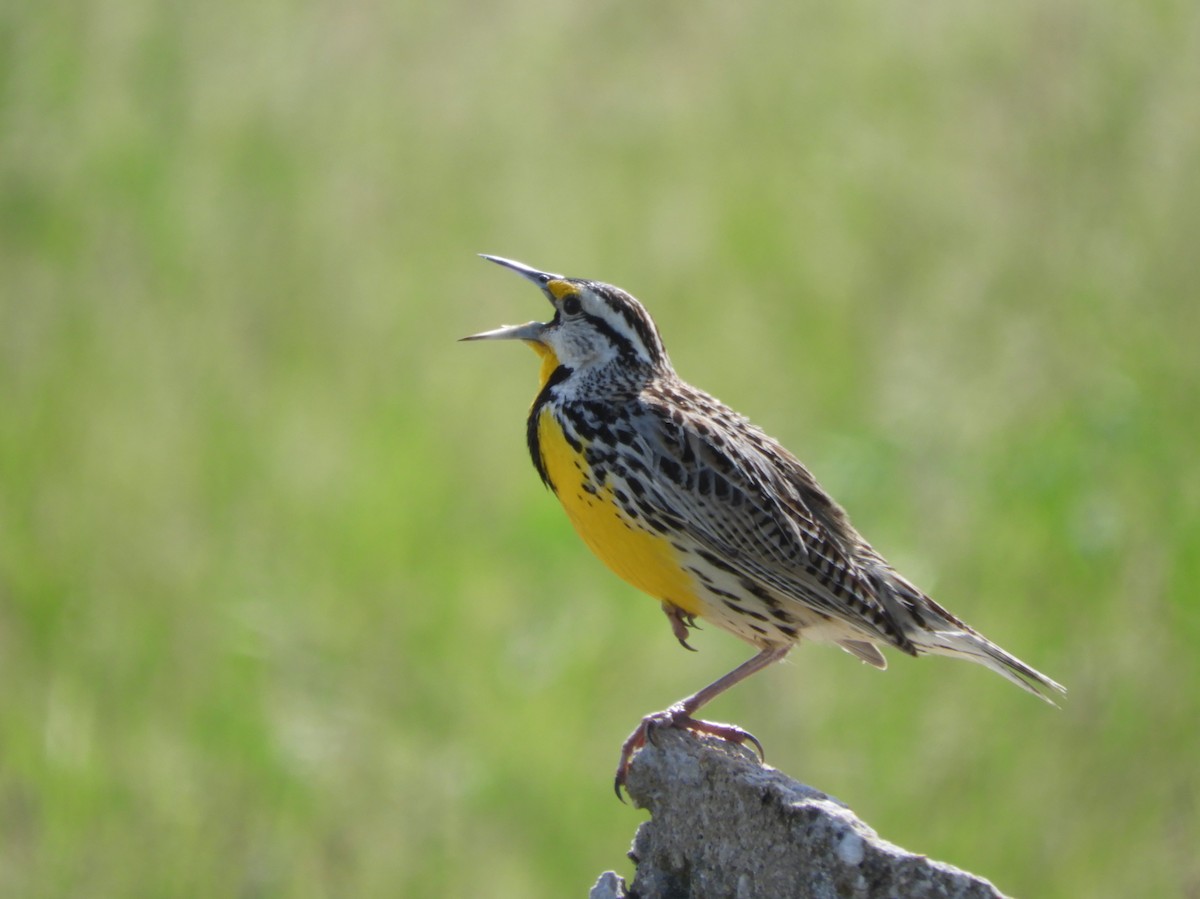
676 716
681 622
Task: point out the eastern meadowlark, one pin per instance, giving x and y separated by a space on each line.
688 501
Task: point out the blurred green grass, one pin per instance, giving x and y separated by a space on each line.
283 609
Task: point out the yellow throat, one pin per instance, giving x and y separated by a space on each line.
638 556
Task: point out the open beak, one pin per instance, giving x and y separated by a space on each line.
533 330
541 279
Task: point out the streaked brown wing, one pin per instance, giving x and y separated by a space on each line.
753 505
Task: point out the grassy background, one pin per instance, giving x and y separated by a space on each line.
283 608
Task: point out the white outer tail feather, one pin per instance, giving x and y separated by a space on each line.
976 648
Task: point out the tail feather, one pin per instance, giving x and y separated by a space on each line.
933 629
976 648
866 651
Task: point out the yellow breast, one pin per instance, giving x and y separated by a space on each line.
644 559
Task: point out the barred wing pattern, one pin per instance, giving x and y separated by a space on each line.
750 503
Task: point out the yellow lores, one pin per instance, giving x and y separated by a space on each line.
688 501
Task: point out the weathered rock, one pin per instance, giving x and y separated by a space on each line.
608 886
724 825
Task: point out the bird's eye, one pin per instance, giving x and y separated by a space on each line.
571 305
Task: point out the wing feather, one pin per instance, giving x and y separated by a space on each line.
749 502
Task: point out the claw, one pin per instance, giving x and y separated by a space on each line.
681 621
676 716
680 714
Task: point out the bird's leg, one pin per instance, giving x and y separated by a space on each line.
680 714
680 622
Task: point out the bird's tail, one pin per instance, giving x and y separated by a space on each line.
931 629
966 644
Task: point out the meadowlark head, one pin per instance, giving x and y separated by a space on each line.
595 325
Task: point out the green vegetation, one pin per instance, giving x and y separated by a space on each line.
283 608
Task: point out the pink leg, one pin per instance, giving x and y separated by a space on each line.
680 714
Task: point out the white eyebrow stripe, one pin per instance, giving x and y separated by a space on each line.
622 318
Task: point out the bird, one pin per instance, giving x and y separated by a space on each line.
691 503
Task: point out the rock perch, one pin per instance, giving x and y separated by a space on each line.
723 825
